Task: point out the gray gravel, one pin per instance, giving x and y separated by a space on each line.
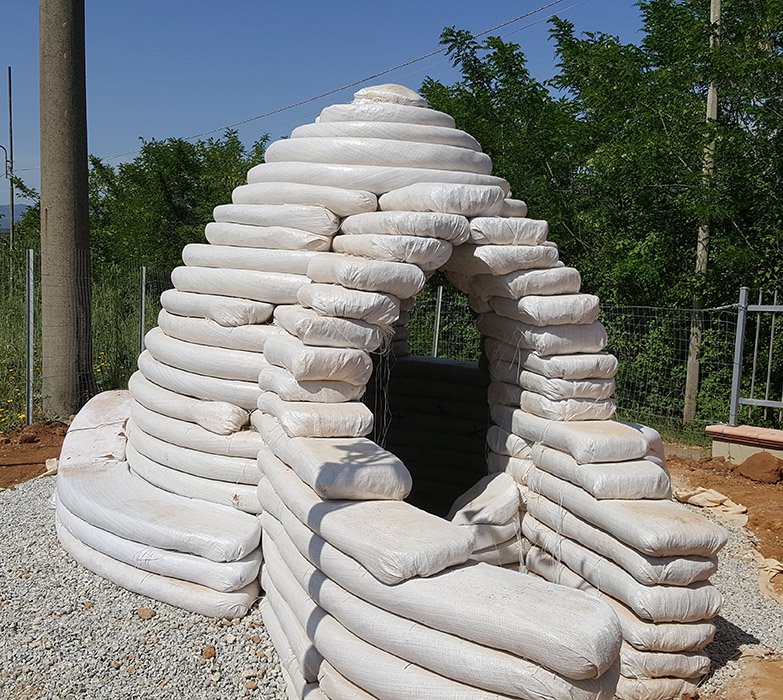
749 624
66 633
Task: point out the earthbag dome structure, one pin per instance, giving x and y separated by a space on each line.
244 431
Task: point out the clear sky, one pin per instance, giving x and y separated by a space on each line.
181 67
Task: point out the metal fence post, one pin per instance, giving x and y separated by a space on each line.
30 334
739 340
142 307
436 329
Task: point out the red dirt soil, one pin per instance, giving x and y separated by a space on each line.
24 452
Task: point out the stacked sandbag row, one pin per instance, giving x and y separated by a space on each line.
437 424
599 518
377 597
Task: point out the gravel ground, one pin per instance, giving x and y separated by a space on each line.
749 624
67 633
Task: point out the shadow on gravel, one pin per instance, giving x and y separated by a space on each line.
726 645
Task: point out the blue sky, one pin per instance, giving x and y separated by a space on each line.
182 67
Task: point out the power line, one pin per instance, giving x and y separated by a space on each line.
355 83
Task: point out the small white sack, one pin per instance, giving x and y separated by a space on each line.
559 310
427 253
629 480
493 500
653 688
504 443
521 283
339 201
281 382
564 410
334 300
513 208
306 218
510 552
373 111
202 331
327 331
226 311
269 237
472 260
571 367
242 394
494 230
203 359
216 416
509 373
399 279
393 540
293 262
353 150
517 469
468 200
646 664
302 419
553 340
308 363
447 227
270 287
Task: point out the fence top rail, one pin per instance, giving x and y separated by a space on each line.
761 308
726 307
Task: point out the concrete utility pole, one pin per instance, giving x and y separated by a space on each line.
702 240
65 234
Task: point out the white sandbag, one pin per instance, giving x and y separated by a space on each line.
442 653
270 287
517 469
293 262
226 311
240 496
328 331
303 217
467 200
471 260
513 208
238 470
646 664
485 604
521 283
692 603
630 480
338 468
656 452
654 688
216 416
219 576
504 443
508 552
372 178
203 359
427 253
492 500
268 237
334 300
649 571
244 443
281 382
565 410
337 200
420 133
242 394
647 636
656 528
585 441
337 687
485 536
452 228
494 230
202 331
559 310
295 641
304 419
308 363
182 594
552 340
399 279
554 389
393 540
353 150
377 111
